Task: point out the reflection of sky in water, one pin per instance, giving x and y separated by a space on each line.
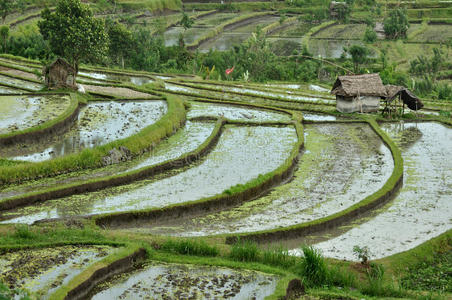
137 80
100 123
422 210
241 155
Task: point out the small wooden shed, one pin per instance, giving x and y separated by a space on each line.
358 93
405 96
60 74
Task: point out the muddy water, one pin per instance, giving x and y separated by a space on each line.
242 154
22 112
174 281
341 165
98 77
98 123
19 83
421 211
185 140
43 271
199 109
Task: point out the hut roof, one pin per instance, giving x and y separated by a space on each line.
63 62
413 102
363 85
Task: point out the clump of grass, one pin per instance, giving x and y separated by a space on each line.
190 247
376 285
245 251
313 267
278 256
26 235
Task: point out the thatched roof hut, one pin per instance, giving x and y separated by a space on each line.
362 85
60 74
360 93
408 98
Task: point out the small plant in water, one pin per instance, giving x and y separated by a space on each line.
363 253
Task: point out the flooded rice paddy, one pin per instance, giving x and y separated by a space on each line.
98 123
236 34
187 139
22 112
341 165
19 83
99 77
242 154
237 113
174 281
43 271
421 210
8 90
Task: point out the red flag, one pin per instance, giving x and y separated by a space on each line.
229 71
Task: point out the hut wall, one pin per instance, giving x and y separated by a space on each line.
353 104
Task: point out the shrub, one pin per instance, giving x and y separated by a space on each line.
370 36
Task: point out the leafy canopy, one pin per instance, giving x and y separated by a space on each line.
396 24
73 32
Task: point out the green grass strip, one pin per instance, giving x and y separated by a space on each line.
383 194
48 125
92 157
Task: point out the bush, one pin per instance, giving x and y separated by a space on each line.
370 36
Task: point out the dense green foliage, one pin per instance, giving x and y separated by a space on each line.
73 32
433 274
396 24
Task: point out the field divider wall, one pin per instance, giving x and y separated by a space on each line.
81 285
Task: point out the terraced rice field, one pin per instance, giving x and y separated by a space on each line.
260 161
98 123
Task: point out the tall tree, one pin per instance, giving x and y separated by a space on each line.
73 32
6 6
359 56
4 35
121 41
396 24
